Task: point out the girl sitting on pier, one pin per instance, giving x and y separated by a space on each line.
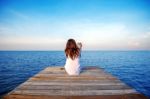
73 53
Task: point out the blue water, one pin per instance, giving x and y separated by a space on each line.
132 67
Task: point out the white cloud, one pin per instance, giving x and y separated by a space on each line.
53 35
141 41
25 43
98 35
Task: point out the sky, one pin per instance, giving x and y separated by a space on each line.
98 24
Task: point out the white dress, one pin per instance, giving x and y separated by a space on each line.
72 67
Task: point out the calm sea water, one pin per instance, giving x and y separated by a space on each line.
132 67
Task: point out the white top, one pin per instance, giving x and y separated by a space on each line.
72 67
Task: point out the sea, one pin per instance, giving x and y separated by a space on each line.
132 67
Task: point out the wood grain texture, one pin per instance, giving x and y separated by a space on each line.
92 83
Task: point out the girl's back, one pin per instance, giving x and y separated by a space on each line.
72 52
72 67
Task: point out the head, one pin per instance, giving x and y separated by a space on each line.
72 49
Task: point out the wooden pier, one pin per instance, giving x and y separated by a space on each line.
92 83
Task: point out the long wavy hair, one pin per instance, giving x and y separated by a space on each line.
72 49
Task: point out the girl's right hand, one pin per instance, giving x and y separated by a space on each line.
80 45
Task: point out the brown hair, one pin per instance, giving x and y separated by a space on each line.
72 49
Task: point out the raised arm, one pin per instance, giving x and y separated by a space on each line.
79 45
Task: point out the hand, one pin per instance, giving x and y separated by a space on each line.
80 44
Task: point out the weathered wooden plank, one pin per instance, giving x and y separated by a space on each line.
126 96
70 80
75 92
78 78
83 79
82 72
74 87
65 75
73 83
73 77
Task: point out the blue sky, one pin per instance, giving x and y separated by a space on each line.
98 24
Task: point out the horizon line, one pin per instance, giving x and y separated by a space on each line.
82 50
